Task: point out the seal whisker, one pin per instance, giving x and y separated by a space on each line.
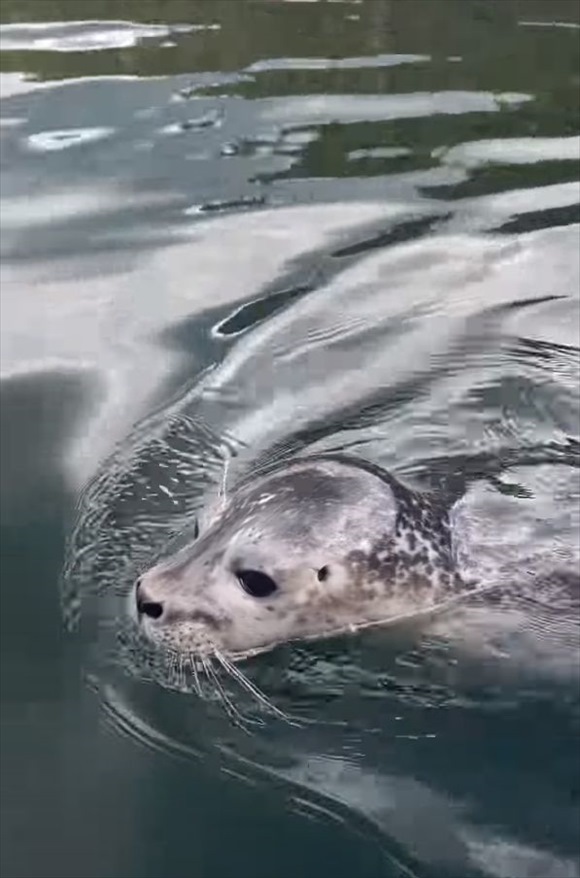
204 664
195 675
233 712
241 678
223 486
181 673
249 720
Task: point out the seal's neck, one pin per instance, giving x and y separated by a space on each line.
423 544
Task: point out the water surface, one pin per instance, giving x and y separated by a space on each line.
232 231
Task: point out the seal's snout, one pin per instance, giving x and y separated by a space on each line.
147 601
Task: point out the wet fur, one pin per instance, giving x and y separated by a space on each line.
389 551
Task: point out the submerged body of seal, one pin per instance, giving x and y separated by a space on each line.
322 545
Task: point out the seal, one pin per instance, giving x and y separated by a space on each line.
321 545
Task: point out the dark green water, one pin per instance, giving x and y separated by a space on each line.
246 228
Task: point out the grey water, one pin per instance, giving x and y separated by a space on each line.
230 232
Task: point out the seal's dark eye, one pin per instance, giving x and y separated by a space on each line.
256 583
323 573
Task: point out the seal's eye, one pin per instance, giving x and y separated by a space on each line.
256 583
323 573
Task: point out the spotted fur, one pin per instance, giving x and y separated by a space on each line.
387 551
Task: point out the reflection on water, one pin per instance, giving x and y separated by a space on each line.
231 232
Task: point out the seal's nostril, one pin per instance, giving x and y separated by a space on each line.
145 606
150 608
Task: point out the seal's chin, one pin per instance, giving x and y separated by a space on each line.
177 642
186 642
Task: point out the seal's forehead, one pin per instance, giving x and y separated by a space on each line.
304 504
308 485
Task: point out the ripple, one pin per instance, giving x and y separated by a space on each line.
510 151
212 119
86 36
568 25
271 64
325 108
11 122
55 141
278 142
218 206
378 152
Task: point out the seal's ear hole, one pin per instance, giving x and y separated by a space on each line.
322 574
256 583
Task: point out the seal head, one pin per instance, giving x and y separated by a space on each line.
323 545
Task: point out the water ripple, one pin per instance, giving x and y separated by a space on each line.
87 36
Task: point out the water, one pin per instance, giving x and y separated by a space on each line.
233 231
